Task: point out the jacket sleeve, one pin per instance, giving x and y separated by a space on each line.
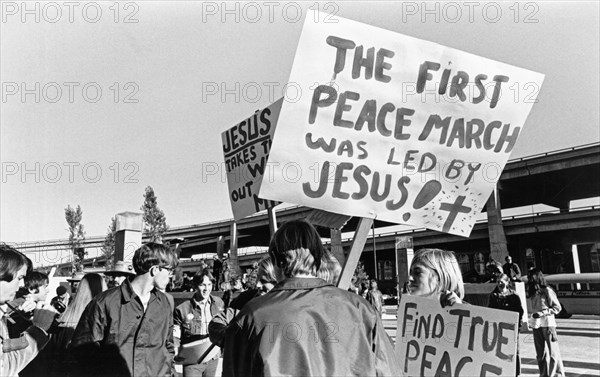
12 362
169 343
493 301
177 327
218 326
91 326
238 354
552 301
519 306
386 363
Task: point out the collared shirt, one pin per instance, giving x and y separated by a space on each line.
307 327
132 341
204 307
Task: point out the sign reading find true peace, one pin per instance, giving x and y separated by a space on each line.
396 128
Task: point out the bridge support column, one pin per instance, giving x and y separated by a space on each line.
404 257
128 237
498 244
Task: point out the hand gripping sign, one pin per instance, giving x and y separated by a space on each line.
461 340
246 149
397 128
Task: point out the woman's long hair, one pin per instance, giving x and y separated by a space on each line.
444 265
535 282
91 285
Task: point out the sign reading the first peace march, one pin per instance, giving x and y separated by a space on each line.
395 128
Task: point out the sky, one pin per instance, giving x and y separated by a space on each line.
100 101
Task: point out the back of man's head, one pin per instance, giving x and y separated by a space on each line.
297 248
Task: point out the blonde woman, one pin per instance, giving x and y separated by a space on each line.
435 273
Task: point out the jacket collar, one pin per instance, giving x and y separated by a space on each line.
301 283
128 294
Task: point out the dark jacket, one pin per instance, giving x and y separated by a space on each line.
307 327
510 302
512 270
116 337
219 323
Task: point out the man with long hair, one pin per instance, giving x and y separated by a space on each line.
191 321
305 326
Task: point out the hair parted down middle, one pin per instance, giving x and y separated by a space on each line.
297 248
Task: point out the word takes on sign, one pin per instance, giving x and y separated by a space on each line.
461 340
246 148
397 128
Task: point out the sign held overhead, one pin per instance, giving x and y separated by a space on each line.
396 128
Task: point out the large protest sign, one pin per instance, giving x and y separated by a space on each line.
396 128
461 340
246 149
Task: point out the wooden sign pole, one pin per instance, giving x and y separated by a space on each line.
272 220
358 243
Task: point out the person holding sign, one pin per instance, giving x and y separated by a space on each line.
435 273
306 326
544 306
506 299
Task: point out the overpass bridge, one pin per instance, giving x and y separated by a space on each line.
545 239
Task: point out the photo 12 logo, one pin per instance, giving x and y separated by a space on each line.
69 12
54 172
269 11
470 11
69 92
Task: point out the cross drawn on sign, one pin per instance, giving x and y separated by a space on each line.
454 209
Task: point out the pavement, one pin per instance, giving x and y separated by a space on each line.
578 339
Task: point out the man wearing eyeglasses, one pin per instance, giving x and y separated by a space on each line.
128 330
191 321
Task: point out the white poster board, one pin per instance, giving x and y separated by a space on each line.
461 340
246 150
395 128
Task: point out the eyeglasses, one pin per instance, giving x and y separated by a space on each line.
168 268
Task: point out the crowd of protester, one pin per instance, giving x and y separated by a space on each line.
124 324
